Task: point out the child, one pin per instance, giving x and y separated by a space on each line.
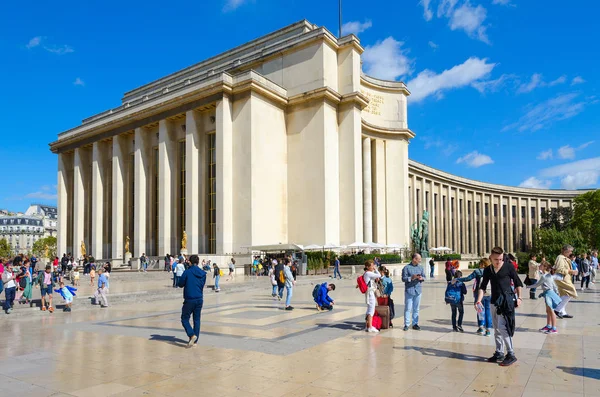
323 300
550 294
388 288
273 280
484 322
370 276
455 296
75 277
92 276
216 276
67 292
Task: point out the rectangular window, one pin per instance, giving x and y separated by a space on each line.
505 233
435 201
514 211
523 238
418 207
212 194
495 210
477 208
469 207
504 211
427 201
523 212
532 212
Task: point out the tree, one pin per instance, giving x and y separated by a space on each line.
5 249
558 218
39 247
586 217
549 242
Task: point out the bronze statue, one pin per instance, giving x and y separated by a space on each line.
419 232
126 244
83 252
184 241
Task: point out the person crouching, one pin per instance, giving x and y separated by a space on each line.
323 300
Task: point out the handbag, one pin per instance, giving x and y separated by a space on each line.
527 280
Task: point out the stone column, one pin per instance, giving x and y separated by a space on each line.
509 224
224 156
167 152
465 234
447 240
142 159
118 198
367 191
351 223
192 170
379 201
501 223
519 224
63 204
490 225
396 174
99 150
481 229
414 209
528 226
78 201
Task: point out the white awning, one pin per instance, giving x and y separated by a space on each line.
276 247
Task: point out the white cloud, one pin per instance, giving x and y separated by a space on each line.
429 83
427 14
584 145
560 80
501 2
475 159
42 195
561 107
566 152
445 8
60 50
575 175
535 82
386 60
536 183
433 45
34 42
545 155
577 80
493 85
355 27
78 81
232 5
470 19
444 147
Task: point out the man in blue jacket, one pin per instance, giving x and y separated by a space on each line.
323 300
192 281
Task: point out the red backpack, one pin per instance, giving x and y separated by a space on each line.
362 286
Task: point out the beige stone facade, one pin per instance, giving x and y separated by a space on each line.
282 139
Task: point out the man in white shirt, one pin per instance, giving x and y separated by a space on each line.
10 288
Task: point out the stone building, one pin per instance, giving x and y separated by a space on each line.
49 216
282 139
21 231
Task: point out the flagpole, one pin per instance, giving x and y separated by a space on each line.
340 17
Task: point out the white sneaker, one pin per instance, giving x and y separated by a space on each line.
373 329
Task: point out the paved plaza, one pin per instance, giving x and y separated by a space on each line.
250 346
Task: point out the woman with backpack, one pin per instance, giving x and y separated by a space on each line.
484 320
455 296
24 283
370 276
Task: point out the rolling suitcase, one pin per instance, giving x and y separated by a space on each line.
384 313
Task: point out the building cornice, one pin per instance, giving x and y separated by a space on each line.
424 171
377 132
384 85
178 100
323 93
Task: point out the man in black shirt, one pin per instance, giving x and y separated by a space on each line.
500 275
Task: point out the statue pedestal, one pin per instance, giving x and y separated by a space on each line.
425 263
127 258
183 251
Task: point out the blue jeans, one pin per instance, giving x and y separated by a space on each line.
274 292
191 307
336 270
280 291
175 280
532 290
411 304
145 266
9 294
217 278
288 296
487 312
431 272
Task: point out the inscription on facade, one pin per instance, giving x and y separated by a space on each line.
375 102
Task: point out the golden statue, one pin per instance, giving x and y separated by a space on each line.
46 251
184 241
82 248
126 244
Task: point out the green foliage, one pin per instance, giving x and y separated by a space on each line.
327 257
557 218
5 249
361 259
39 247
444 258
549 242
523 261
586 217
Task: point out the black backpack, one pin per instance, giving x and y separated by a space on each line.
23 282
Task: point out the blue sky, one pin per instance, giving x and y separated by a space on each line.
504 91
